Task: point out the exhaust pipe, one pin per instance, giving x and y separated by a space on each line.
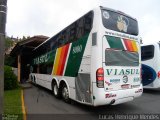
112 102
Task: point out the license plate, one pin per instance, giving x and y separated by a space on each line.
125 86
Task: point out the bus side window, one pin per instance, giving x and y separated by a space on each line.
63 37
45 69
47 47
61 41
55 45
87 25
80 28
73 33
49 68
67 35
35 69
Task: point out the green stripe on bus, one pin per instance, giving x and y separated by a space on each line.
75 56
115 42
52 55
45 58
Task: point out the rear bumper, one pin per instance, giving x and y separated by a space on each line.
115 97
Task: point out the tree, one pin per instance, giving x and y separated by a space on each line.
8 43
9 60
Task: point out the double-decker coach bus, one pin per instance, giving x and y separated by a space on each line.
150 56
94 61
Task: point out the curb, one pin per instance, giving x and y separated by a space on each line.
23 105
25 85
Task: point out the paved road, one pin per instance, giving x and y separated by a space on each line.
41 103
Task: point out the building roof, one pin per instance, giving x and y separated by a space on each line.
26 46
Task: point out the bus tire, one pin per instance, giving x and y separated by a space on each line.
65 93
55 89
34 80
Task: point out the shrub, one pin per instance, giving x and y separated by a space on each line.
10 79
9 61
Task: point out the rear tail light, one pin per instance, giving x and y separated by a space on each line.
100 77
158 74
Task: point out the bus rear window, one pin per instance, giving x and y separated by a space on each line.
118 22
121 58
147 52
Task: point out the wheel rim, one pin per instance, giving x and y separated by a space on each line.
65 93
55 89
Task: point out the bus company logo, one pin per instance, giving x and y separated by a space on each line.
110 95
108 83
122 72
77 49
114 80
122 23
135 86
136 79
125 79
106 15
41 59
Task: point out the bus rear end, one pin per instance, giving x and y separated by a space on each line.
118 78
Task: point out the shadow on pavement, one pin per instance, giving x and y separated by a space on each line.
60 110
106 109
152 91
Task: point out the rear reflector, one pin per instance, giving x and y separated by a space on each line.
158 74
100 77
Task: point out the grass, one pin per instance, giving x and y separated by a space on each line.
12 104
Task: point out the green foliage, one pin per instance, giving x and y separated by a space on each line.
12 104
9 60
10 79
8 43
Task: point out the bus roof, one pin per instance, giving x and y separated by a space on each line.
101 7
60 31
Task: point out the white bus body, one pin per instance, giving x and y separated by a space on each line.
107 65
151 65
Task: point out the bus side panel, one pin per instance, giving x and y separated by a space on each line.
75 56
43 80
83 81
76 72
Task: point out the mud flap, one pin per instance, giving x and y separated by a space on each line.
82 84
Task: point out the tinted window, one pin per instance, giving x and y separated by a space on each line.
46 68
118 22
121 58
147 52
72 33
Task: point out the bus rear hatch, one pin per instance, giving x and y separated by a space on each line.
120 63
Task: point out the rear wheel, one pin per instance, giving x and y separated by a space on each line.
34 80
65 94
55 89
